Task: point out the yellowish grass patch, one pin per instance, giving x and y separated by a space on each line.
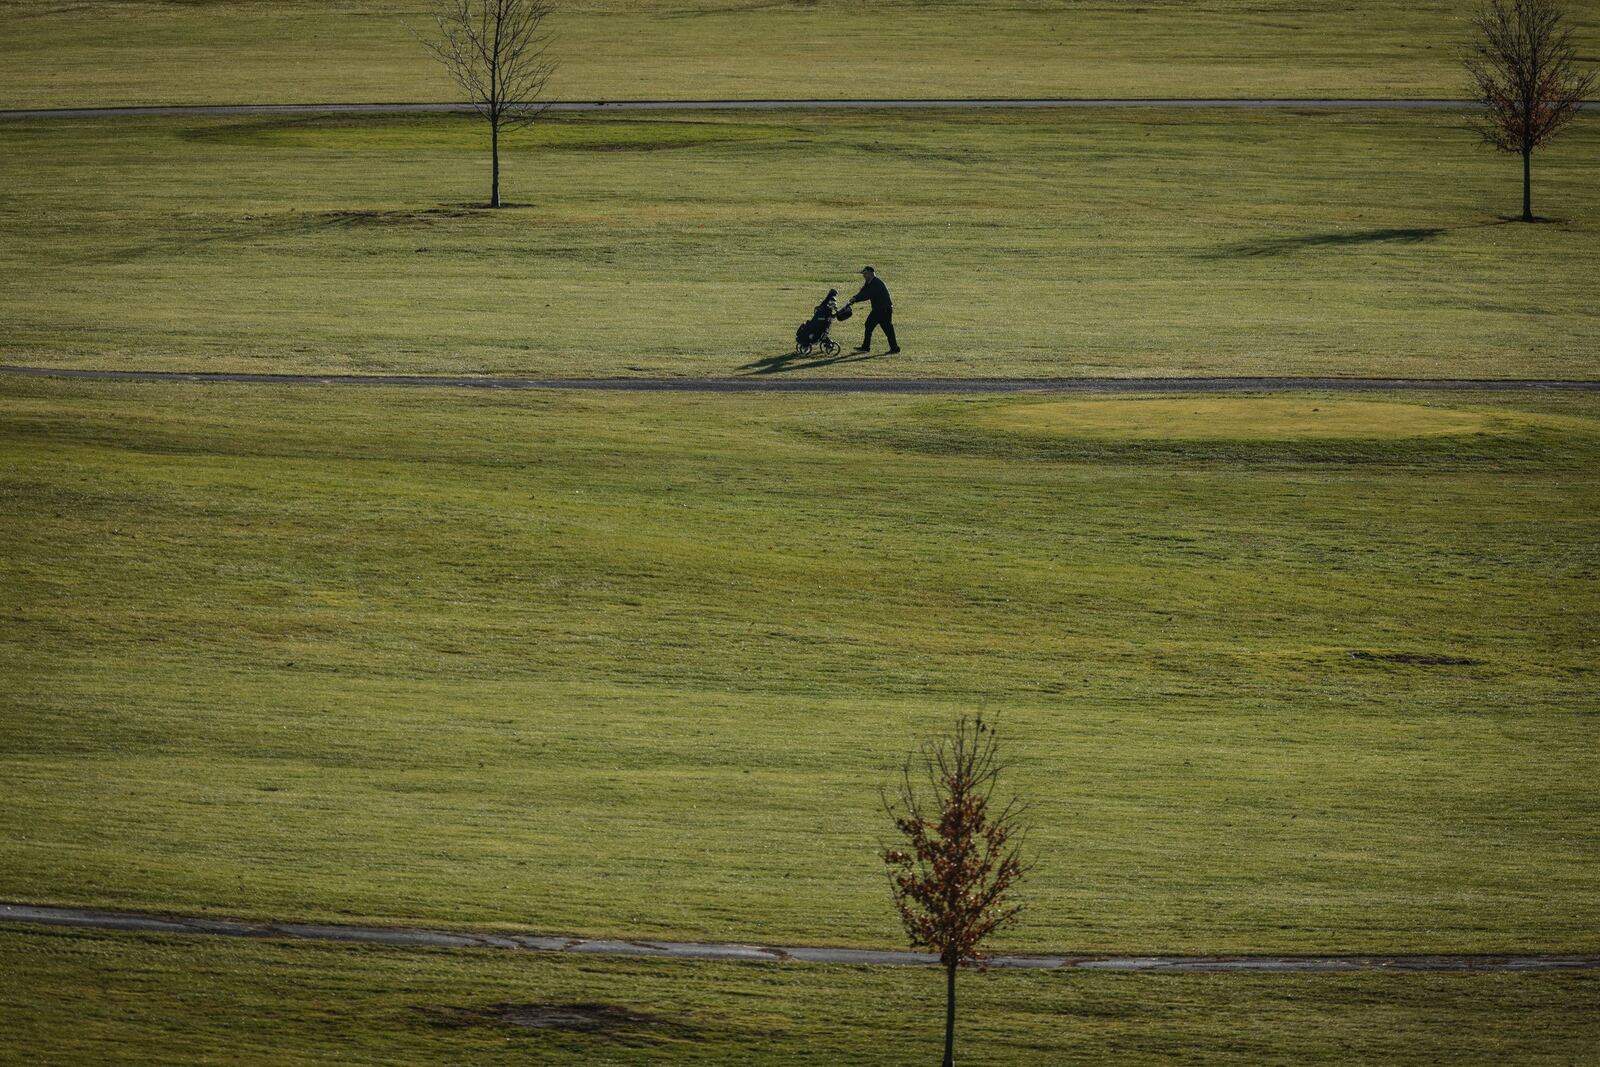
1239 418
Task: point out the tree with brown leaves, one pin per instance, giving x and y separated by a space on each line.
952 882
1524 73
498 51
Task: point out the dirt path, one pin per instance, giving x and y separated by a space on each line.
409 937
832 385
744 105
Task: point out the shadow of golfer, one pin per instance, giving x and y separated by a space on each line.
793 361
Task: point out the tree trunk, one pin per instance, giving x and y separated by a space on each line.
494 153
1527 185
950 1015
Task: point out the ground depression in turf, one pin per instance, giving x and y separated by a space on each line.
1238 419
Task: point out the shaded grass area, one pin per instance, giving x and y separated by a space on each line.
613 664
292 51
1016 243
75 997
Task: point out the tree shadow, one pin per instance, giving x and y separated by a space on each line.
1278 246
1537 220
793 361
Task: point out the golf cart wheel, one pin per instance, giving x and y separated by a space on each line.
831 347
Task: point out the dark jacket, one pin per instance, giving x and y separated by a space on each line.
877 293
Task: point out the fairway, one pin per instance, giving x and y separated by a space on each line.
1019 243
295 51
190 1000
637 665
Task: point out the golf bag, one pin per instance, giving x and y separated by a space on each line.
813 333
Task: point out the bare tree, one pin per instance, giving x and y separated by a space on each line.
1522 65
498 51
952 881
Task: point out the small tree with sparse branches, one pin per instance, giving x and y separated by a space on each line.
498 51
1524 72
952 882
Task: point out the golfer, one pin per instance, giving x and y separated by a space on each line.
877 294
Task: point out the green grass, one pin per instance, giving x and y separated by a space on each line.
1016 243
638 664
135 52
73 998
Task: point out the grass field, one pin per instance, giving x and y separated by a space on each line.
131 52
93 998
639 664
1017 243
1288 673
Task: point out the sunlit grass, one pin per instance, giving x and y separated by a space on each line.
1252 418
1016 243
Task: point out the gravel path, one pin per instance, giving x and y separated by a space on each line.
410 937
743 105
833 385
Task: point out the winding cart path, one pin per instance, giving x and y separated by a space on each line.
1248 103
770 383
414 937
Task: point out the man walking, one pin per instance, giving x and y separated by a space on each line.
875 292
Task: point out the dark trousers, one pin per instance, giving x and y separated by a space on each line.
884 318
